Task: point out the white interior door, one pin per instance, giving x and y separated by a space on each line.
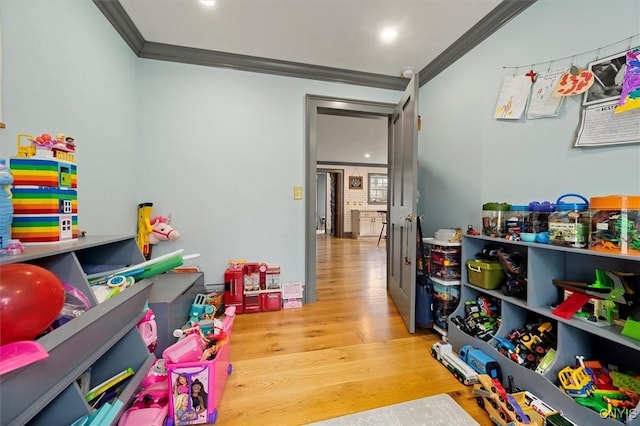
403 153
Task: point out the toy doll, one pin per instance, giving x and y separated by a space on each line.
181 385
198 397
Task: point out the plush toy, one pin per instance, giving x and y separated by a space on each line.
161 230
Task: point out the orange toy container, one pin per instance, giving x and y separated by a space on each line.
615 224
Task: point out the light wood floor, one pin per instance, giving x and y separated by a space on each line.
347 352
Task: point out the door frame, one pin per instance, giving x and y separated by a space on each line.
316 104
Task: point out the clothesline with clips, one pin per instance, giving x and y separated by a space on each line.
629 45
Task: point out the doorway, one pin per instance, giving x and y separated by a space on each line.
316 105
329 201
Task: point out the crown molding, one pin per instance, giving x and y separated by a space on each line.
499 16
120 20
189 55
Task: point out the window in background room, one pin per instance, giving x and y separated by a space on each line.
377 188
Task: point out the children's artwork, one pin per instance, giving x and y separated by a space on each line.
574 82
513 97
544 102
630 96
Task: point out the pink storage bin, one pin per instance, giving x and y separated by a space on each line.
188 349
196 387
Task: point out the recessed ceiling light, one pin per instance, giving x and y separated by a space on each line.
367 155
208 2
388 35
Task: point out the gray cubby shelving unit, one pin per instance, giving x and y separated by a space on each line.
104 339
575 336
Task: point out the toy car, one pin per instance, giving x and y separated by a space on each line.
150 407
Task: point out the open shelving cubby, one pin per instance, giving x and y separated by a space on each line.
104 339
574 336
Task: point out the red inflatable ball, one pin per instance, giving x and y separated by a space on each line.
31 298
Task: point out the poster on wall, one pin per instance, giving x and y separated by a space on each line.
600 125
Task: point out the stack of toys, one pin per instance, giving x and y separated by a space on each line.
45 197
482 317
608 392
185 385
197 368
532 346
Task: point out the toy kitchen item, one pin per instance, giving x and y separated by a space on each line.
494 219
570 224
615 224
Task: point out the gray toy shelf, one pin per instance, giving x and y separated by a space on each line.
575 336
104 339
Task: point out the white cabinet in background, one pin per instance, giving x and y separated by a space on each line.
366 223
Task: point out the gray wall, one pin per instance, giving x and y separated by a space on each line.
467 158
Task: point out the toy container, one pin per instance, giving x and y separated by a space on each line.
196 387
515 219
485 274
538 217
570 224
445 301
444 260
494 219
615 224
445 234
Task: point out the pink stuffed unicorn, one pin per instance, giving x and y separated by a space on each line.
162 230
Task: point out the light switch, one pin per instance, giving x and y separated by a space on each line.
297 193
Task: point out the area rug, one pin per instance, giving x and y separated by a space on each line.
430 411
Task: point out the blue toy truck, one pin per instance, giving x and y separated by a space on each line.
480 362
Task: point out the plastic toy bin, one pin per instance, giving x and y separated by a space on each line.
184 407
444 262
445 301
615 221
485 274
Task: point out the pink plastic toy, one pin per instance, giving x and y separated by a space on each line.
18 354
157 373
148 330
150 407
188 349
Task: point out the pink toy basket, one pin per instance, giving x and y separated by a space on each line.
196 387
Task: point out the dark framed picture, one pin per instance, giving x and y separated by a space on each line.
355 182
608 75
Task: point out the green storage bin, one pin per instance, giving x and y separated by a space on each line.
485 274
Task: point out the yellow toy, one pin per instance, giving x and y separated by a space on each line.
26 151
144 229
